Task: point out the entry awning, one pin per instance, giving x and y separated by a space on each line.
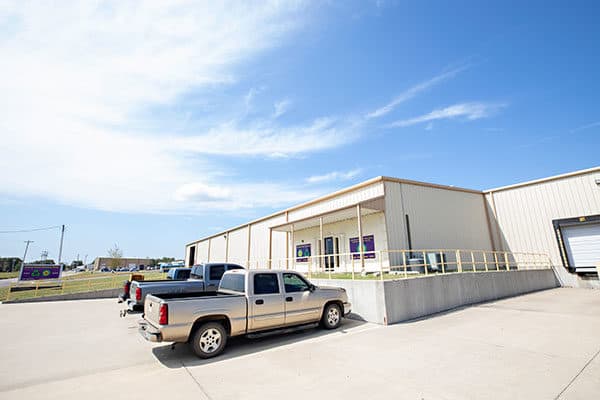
337 215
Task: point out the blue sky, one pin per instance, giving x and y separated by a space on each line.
152 125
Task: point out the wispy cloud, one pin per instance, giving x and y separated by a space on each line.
81 75
587 126
470 111
413 91
281 107
334 176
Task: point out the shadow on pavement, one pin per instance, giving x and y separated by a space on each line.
183 356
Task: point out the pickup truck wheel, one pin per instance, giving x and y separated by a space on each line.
332 316
209 340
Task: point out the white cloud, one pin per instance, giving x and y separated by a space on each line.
334 176
471 111
413 91
74 76
587 126
281 107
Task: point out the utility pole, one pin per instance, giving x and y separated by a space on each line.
27 242
62 235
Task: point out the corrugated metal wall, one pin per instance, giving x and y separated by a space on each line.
217 248
259 239
524 214
395 220
238 246
446 219
438 218
202 252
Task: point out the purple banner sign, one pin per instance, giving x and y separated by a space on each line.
302 252
39 271
368 247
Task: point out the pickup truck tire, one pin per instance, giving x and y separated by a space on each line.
332 316
209 340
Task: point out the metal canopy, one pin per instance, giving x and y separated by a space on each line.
341 214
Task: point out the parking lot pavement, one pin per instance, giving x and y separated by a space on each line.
539 346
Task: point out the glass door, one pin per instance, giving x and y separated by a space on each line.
331 250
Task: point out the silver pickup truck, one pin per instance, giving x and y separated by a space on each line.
203 278
246 302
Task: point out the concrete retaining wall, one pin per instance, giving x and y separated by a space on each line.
98 294
394 301
368 303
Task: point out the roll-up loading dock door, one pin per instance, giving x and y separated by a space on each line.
582 243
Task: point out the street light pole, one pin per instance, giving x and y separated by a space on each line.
27 242
62 235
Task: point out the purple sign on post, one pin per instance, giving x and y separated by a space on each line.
302 252
368 247
39 271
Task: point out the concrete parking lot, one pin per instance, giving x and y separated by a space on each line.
539 346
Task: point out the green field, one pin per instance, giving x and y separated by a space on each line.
8 275
76 283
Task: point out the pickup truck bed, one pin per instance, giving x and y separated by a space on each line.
203 277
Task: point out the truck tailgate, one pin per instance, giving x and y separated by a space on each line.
151 310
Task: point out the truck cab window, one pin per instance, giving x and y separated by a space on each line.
266 284
293 283
216 272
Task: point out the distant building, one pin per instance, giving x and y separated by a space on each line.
109 262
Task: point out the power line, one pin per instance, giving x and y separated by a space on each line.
33 230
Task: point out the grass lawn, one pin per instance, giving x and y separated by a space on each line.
76 283
8 275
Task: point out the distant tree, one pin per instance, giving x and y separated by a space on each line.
115 253
47 261
9 264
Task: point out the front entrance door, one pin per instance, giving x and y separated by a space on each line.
331 247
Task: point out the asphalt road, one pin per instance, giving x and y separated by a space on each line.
540 346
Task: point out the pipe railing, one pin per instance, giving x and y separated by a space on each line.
395 264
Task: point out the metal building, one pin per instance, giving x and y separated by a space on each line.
559 216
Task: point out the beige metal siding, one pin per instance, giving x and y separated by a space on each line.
447 219
395 220
238 246
217 249
344 200
525 214
259 242
202 252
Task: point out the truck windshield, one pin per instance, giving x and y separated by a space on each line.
233 282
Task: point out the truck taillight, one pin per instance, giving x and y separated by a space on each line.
138 294
163 315
126 286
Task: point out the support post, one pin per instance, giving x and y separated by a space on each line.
506 261
226 246
293 235
208 255
404 263
248 250
458 261
442 262
360 237
322 242
270 246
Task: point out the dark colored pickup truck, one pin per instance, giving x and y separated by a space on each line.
203 278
